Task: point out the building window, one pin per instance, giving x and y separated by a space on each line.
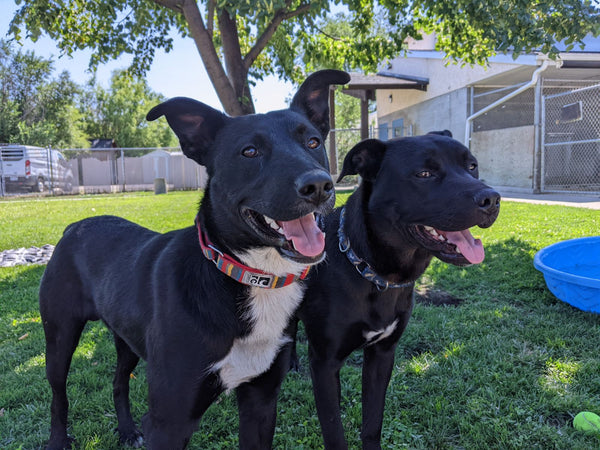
398 128
383 131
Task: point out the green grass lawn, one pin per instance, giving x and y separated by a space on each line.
507 368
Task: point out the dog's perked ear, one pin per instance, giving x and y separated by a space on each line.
447 133
312 99
194 123
364 159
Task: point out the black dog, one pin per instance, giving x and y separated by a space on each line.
196 303
417 199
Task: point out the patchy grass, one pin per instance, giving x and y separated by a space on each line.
40 221
506 367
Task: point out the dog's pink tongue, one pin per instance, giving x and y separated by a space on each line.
471 248
306 236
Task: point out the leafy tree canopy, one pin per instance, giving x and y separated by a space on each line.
241 41
119 113
37 108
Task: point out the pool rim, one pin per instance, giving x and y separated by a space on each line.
538 262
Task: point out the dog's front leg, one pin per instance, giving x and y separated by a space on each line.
177 400
257 403
377 369
325 375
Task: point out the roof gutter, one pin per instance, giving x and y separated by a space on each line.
534 80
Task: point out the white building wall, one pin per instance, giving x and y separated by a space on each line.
505 156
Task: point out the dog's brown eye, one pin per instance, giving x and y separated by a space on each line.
313 143
424 174
473 166
250 152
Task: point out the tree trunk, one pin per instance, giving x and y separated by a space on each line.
234 63
230 99
230 82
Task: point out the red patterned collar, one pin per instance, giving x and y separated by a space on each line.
241 273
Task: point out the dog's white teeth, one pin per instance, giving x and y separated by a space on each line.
272 224
433 232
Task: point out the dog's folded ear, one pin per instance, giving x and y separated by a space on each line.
194 123
312 98
364 159
442 133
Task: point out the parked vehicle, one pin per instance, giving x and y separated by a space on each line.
34 168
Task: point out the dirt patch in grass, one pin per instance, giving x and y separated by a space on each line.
559 419
428 295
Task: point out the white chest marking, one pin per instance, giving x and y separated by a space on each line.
376 336
269 312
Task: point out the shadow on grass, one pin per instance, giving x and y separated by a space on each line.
507 273
509 367
506 368
25 395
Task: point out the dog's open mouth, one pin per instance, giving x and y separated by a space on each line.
301 239
454 247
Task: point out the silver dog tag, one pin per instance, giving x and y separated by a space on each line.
263 281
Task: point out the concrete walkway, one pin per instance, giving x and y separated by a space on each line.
591 201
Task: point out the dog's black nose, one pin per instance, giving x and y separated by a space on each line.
315 186
488 200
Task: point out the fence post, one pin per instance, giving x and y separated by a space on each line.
50 169
184 184
538 137
2 187
123 168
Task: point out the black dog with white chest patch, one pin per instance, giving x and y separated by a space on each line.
418 198
205 306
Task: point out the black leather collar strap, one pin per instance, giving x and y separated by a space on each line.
362 266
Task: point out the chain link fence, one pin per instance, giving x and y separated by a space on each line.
515 112
346 138
571 136
26 169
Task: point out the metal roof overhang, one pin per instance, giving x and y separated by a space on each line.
364 87
571 66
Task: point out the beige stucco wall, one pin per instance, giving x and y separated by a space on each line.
446 112
505 156
442 80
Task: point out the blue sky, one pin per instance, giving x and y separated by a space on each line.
178 73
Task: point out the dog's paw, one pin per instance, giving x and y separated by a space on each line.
131 438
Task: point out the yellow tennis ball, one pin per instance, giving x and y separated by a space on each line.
587 421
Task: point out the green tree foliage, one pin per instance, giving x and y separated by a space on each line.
37 108
347 111
119 113
241 41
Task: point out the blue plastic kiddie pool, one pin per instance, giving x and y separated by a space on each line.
572 271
